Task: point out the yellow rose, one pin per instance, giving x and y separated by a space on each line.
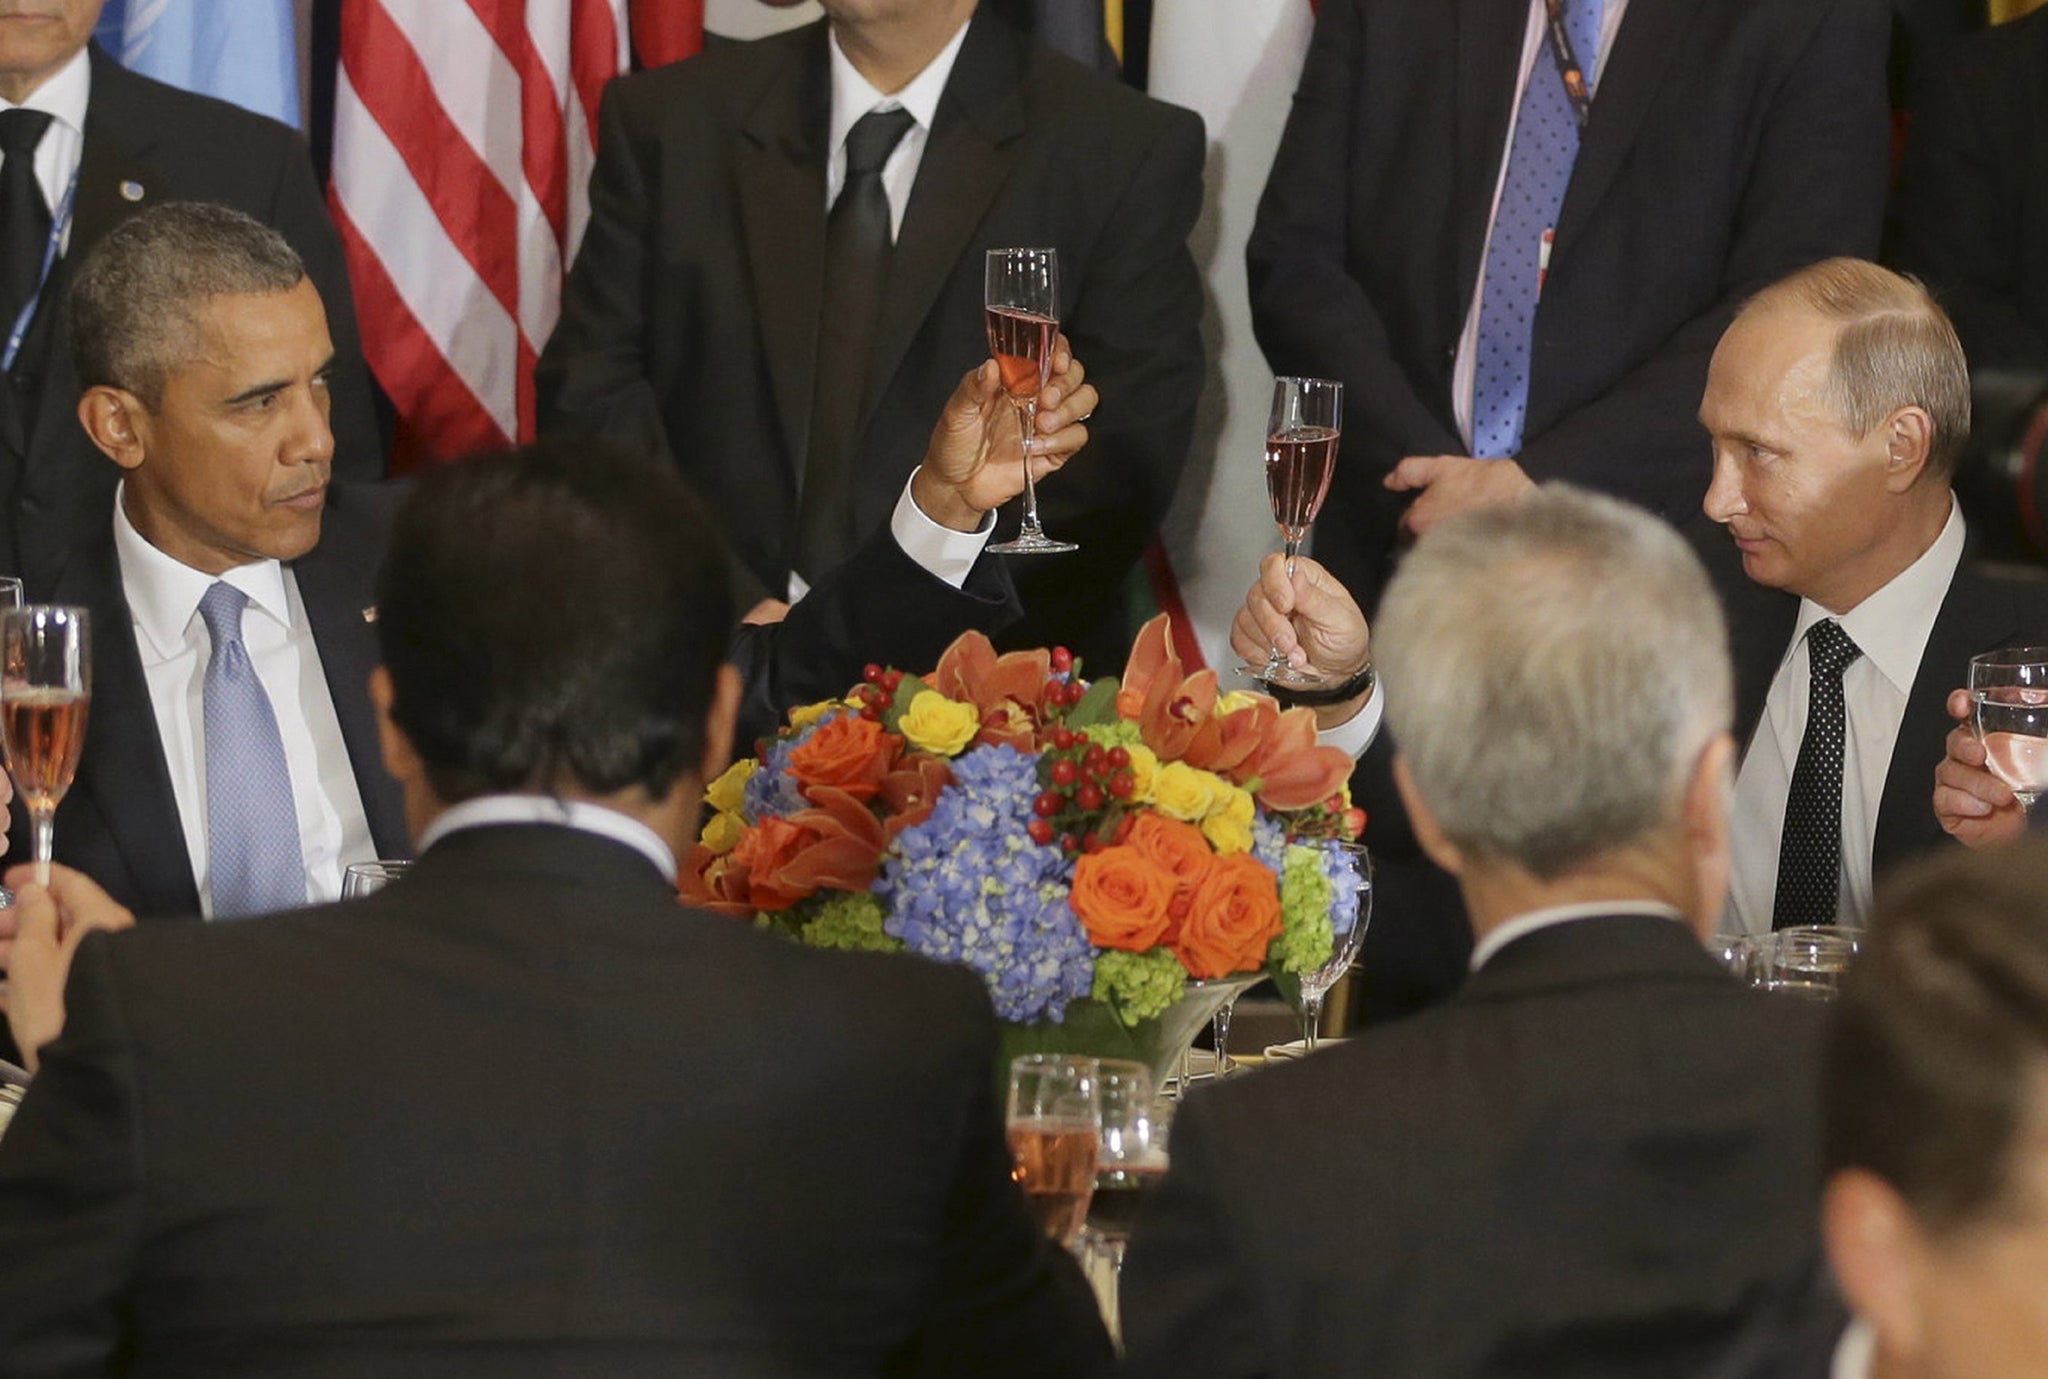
1235 700
1226 834
1185 793
729 791
1144 772
723 832
934 723
811 713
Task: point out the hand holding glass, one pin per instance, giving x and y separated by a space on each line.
1301 455
1022 296
2009 705
45 689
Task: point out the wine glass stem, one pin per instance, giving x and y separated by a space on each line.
1291 543
1221 1026
1311 1020
42 833
1027 413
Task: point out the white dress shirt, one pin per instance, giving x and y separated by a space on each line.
853 96
1891 627
1523 925
1466 370
1855 1353
163 600
64 97
486 811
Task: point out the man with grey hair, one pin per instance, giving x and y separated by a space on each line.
1599 1154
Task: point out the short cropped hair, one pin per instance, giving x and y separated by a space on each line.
554 617
134 307
1896 348
1553 670
1937 1065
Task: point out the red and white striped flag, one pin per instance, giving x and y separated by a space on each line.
464 132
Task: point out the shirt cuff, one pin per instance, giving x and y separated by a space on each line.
1356 733
948 554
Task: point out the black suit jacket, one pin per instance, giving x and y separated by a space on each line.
145 143
1731 141
1594 1160
520 1115
119 821
689 323
1973 194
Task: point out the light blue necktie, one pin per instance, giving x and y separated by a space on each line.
254 862
1539 168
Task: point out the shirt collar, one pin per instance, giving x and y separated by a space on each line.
164 593
853 96
1891 626
1856 1352
64 95
486 811
1521 926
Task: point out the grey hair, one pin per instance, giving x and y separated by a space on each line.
1895 348
1553 670
134 307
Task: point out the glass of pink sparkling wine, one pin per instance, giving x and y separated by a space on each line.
2009 702
1301 455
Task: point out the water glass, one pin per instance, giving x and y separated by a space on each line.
367 878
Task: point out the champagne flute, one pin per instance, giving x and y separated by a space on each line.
1023 305
1301 455
1316 984
45 689
1055 1125
10 597
2009 702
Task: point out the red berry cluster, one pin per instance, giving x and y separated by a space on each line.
1063 694
1086 785
877 692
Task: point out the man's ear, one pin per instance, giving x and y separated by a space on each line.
1428 832
1703 815
1877 1252
1908 441
719 725
117 422
401 758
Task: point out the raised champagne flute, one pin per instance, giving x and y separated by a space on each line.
45 689
1301 455
1023 305
2009 706
1316 983
1055 1127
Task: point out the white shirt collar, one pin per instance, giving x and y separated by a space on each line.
1856 1352
488 810
1523 925
853 96
1891 626
164 593
64 95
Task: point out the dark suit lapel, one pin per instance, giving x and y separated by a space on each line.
1489 45
1652 33
123 770
1977 615
781 176
333 586
966 161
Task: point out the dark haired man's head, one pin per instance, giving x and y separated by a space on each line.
1936 1103
554 621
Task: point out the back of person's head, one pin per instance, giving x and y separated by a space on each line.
1895 347
553 620
134 308
1554 670
1935 1100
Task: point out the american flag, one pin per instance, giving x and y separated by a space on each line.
464 132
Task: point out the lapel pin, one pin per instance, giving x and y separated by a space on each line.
370 614
131 190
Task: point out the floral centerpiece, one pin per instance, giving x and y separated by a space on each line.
1104 854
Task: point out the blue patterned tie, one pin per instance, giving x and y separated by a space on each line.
254 862
1539 168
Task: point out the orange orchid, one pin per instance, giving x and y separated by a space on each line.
1175 706
1291 770
1006 689
912 789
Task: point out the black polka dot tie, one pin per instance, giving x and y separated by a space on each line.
1810 853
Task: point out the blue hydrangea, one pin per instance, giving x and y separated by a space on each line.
771 792
1269 842
1347 886
969 886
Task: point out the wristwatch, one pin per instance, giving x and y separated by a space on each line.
1322 696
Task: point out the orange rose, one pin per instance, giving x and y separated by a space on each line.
849 753
763 852
1122 898
1234 916
1176 848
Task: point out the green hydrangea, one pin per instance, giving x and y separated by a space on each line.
1306 939
1138 986
853 921
1119 732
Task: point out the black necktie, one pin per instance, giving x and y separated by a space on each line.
857 245
24 217
1810 852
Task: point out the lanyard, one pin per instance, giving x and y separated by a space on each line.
1568 68
60 225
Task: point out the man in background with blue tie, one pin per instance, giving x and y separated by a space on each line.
1516 228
